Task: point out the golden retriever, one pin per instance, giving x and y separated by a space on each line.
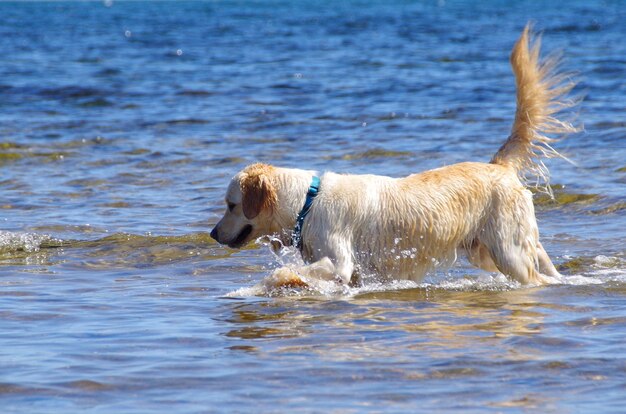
401 228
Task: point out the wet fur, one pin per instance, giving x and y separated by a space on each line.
401 228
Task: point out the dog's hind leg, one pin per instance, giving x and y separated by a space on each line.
519 261
545 264
512 238
478 255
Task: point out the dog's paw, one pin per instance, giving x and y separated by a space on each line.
284 277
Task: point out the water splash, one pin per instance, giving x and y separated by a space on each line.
285 281
23 242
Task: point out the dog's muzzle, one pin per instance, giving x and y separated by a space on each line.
241 237
214 234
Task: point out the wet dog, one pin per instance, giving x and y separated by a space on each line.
401 228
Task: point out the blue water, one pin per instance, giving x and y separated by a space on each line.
122 122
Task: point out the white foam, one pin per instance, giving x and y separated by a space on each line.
28 242
580 280
247 292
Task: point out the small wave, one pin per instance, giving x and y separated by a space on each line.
195 93
612 208
606 269
186 121
374 153
14 241
175 122
562 197
96 103
592 26
72 92
118 249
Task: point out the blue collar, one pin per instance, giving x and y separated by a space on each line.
296 237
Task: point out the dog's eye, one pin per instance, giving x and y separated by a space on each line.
231 206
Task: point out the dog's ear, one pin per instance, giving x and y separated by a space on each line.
258 192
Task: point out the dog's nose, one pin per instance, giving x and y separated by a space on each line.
214 233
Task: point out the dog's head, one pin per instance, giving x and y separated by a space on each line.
250 202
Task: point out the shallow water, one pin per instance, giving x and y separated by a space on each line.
121 123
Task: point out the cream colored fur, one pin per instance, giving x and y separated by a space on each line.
402 228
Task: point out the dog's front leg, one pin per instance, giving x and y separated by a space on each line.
322 270
343 272
325 269
336 250
302 276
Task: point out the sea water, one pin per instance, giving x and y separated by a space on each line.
121 124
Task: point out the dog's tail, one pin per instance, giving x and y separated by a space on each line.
541 95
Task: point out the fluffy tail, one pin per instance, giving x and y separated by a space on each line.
541 95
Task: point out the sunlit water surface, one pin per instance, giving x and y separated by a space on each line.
121 123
